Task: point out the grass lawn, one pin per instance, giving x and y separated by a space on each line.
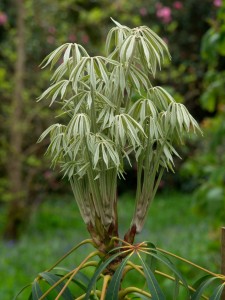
56 227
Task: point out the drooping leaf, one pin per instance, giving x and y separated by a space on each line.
202 287
22 290
36 291
52 279
216 295
80 279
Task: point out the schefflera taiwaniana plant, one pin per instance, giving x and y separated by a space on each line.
104 125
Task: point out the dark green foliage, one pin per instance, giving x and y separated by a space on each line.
205 167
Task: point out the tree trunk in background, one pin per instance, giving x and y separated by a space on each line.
17 208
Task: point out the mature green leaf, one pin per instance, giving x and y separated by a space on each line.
217 292
176 288
114 285
102 266
202 287
52 279
153 286
150 260
36 291
22 290
80 279
164 260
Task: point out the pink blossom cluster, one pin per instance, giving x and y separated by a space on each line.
51 35
3 18
217 3
164 13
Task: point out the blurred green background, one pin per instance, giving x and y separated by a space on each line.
39 220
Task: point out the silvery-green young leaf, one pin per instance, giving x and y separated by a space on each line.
48 131
160 97
119 25
54 56
142 109
94 67
77 52
104 150
115 39
105 125
141 77
181 118
155 41
59 72
79 125
125 129
53 90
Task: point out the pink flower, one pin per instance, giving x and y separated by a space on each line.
72 37
85 38
164 13
3 18
50 39
143 11
52 29
177 5
217 3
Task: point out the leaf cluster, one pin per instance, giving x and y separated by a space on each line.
103 124
111 272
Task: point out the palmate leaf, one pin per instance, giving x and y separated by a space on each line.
152 283
94 68
54 90
127 48
179 117
142 109
77 52
54 56
141 79
59 72
79 125
104 99
155 41
114 285
149 55
52 279
126 129
105 150
115 37
50 130
160 97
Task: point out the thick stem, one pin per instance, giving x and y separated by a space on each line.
130 235
17 209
